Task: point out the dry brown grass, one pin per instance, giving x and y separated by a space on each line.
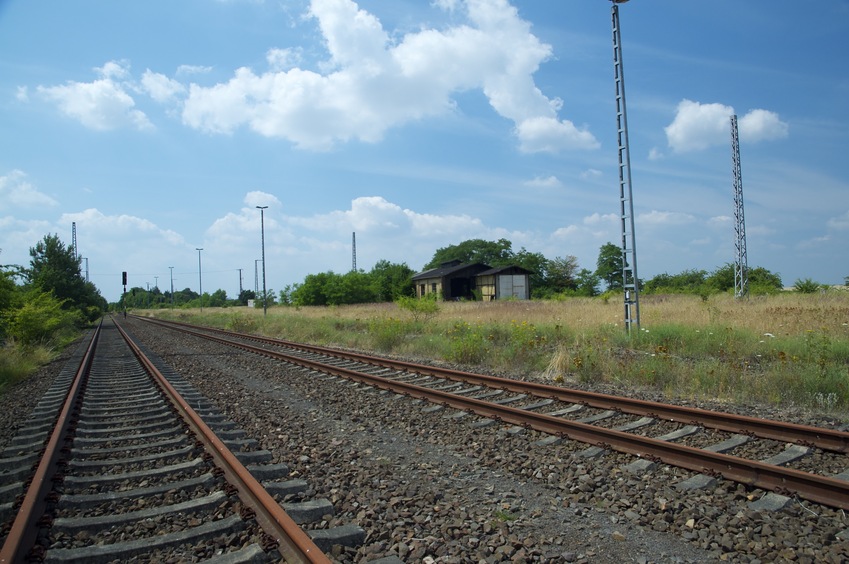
784 349
784 314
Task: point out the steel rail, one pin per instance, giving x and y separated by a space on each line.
22 535
832 492
807 435
292 542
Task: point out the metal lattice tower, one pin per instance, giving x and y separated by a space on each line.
354 251
629 245
741 267
74 238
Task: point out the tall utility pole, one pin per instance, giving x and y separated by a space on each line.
171 268
262 228
741 267
74 238
354 252
200 278
630 282
240 282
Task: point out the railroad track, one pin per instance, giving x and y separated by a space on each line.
788 460
123 460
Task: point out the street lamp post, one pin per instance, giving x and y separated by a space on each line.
200 278
262 228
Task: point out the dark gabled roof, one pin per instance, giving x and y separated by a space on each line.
448 268
499 269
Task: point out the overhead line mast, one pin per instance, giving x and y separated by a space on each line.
741 267
630 282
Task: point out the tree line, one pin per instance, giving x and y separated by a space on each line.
560 277
556 278
50 296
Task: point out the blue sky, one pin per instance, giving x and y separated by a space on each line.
158 127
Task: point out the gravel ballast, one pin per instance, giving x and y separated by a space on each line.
428 485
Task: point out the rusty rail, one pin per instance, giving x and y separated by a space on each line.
824 490
24 530
292 542
826 439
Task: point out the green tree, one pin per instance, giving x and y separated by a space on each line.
609 266
244 296
561 274
586 283
493 253
287 292
391 281
270 299
312 291
8 290
688 282
761 280
55 269
11 297
217 299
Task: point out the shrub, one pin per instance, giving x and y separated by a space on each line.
807 286
387 332
241 323
422 309
467 344
41 320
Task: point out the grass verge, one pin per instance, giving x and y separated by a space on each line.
789 349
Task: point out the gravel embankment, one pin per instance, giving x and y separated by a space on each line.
429 487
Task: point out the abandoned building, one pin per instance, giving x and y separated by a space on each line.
469 281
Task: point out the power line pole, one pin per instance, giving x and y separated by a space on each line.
741 267
262 229
200 278
74 238
354 252
630 282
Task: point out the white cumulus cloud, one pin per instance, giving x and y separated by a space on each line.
761 125
17 192
103 104
698 126
371 82
160 87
